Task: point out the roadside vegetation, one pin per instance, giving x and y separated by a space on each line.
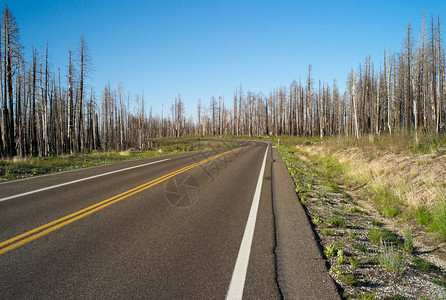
378 206
16 168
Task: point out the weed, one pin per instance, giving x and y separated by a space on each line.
408 239
388 203
378 234
330 250
389 257
397 297
318 220
360 247
349 279
439 282
423 265
352 235
341 257
376 223
439 217
327 232
354 209
335 269
367 296
422 215
354 262
337 222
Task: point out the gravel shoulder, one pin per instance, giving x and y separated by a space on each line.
369 256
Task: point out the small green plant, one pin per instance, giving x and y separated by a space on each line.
341 257
354 262
367 296
389 257
439 282
360 247
408 239
330 250
376 234
337 222
327 232
421 264
335 269
318 220
354 209
376 223
422 215
397 297
349 279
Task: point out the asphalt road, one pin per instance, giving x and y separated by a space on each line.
169 227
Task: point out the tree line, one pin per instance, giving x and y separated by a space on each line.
52 112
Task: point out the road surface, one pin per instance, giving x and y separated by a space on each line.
177 235
206 225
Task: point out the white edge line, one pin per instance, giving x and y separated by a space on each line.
79 180
241 266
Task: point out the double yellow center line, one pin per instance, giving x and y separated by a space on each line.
40 231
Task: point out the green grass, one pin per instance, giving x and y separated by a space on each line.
439 282
390 257
349 279
408 239
367 296
422 215
27 167
389 204
361 247
376 223
337 222
327 232
378 234
397 297
439 217
423 265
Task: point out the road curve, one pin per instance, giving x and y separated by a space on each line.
143 229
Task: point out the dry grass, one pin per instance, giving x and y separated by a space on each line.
403 176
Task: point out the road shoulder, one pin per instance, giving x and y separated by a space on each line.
301 270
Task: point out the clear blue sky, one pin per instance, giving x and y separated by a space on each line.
201 49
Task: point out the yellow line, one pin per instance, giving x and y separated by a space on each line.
59 223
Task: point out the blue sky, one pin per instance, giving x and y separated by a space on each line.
201 49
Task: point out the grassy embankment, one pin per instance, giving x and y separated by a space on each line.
349 186
406 180
25 167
